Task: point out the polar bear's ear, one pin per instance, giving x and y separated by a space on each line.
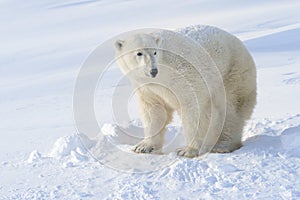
119 44
158 41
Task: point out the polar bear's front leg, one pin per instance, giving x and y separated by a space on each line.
193 123
202 128
193 137
154 117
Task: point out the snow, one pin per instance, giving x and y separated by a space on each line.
34 156
290 140
44 44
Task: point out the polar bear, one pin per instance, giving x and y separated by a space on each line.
203 73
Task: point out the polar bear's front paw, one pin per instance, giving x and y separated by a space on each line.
225 147
221 149
146 146
188 152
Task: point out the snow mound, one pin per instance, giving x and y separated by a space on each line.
115 143
113 148
131 134
34 156
75 146
290 140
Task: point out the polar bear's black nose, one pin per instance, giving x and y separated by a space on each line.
153 72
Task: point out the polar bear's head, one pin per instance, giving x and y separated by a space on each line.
138 54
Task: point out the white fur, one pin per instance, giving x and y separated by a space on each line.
190 87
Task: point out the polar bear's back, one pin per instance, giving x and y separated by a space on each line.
212 38
202 34
225 49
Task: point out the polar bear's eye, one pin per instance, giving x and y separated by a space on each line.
154 53
139 54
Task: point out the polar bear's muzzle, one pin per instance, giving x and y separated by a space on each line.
153 72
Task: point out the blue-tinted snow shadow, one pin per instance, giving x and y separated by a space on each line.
285 143
262 143
277 42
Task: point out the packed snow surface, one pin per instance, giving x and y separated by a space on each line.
43 156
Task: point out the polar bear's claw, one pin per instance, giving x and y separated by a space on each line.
146 147
224 147
188 152
143 149
221 150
